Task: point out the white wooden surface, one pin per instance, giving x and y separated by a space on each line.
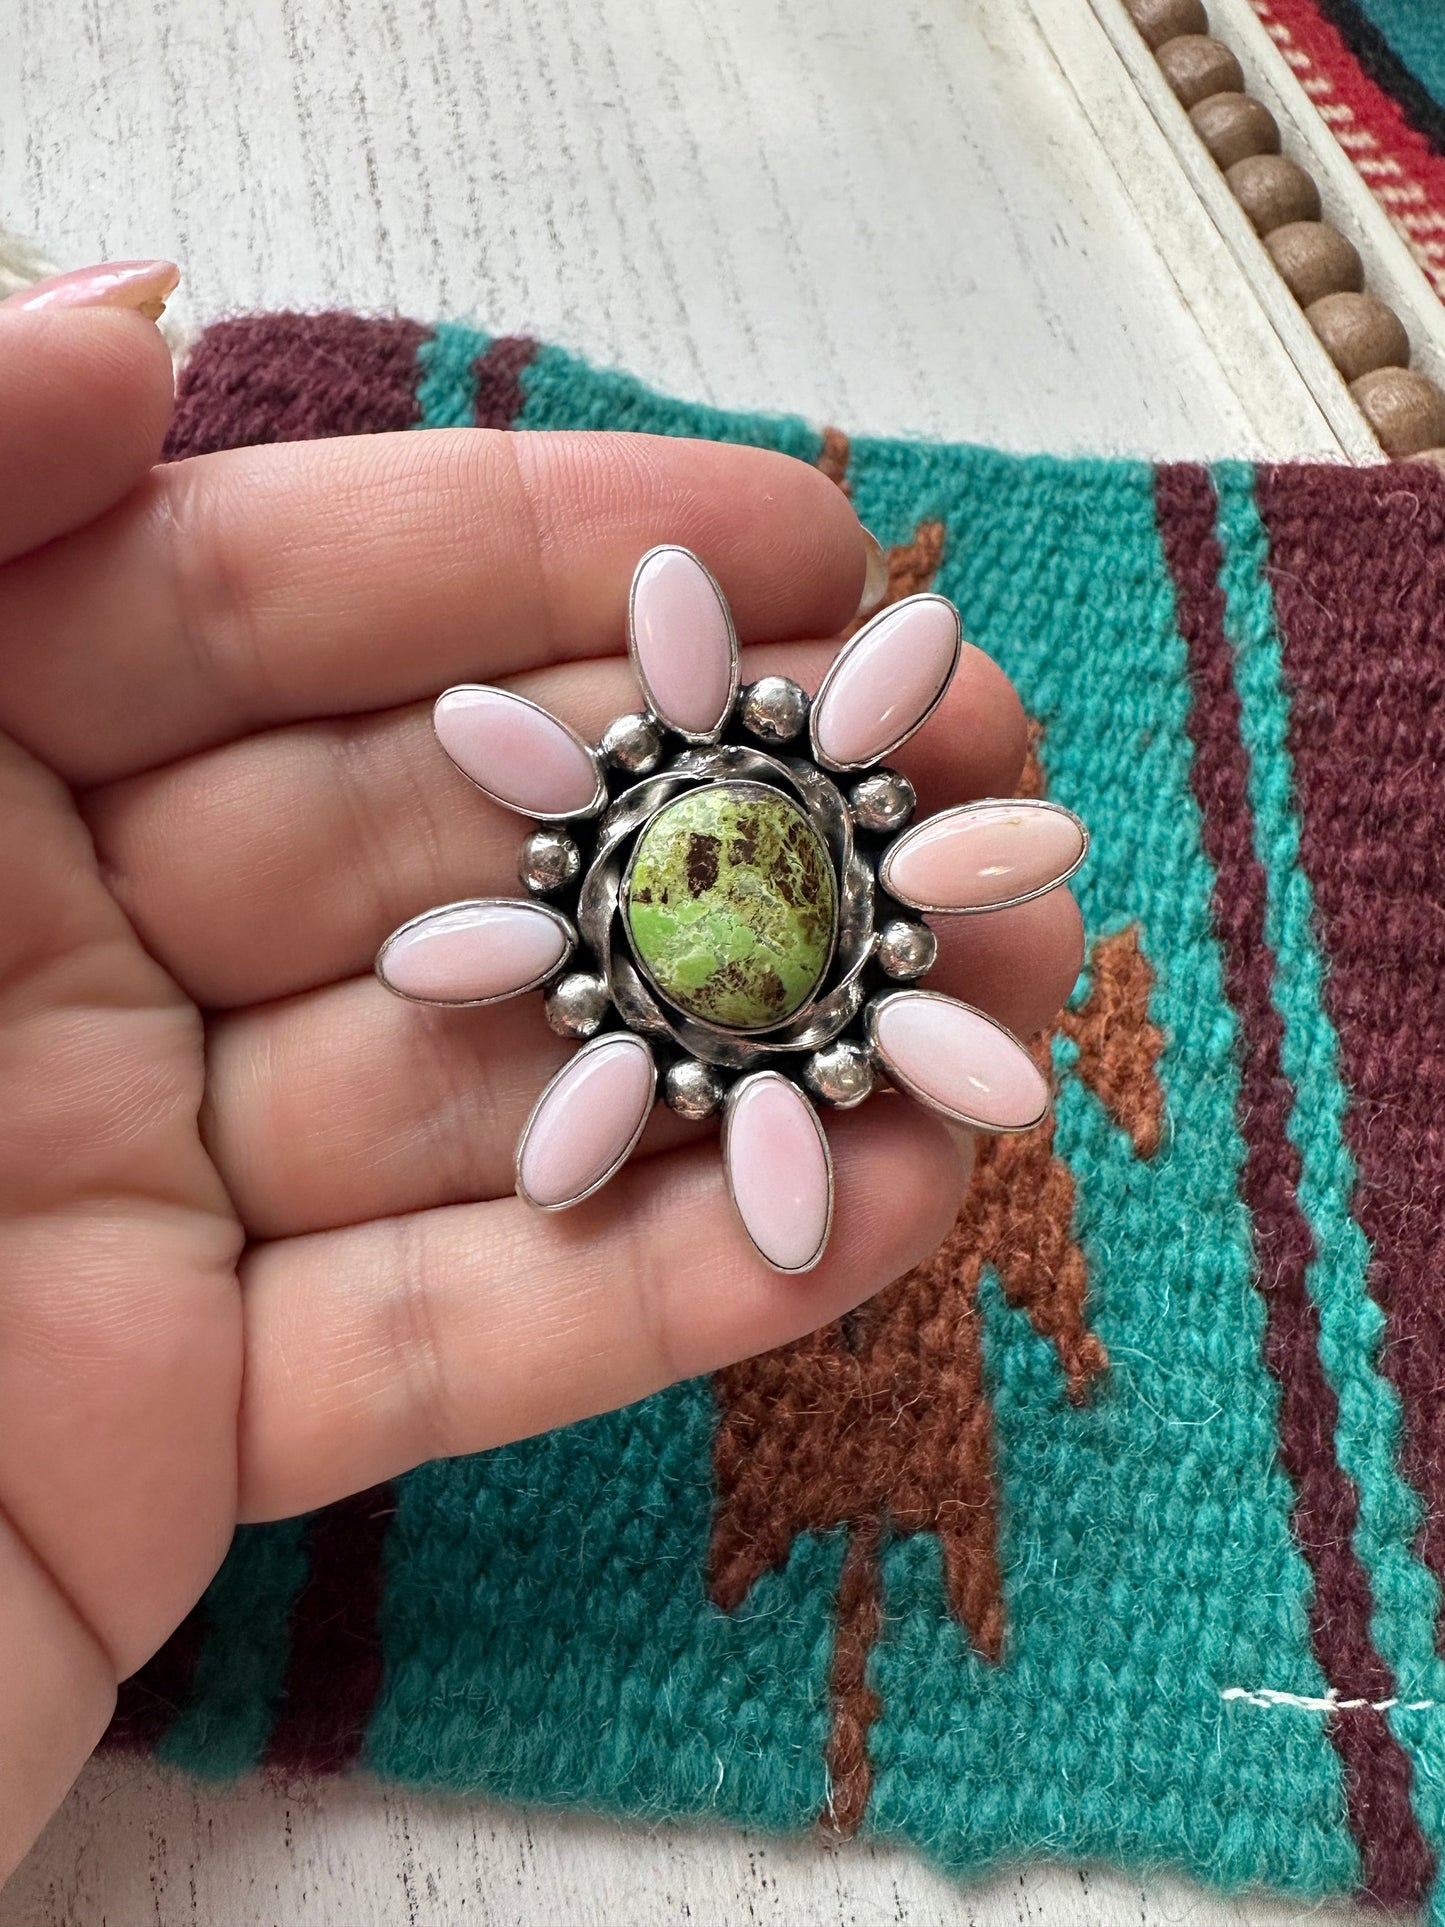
892 218
144 1846
896 219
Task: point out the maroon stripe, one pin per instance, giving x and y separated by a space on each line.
1395 1859
334 1672
1359 585
150 1699
295 378
498 375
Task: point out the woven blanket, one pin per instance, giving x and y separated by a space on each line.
1117 1530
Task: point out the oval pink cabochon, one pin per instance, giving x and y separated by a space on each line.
780 1172
683 640
515 751
467 953
964 1062
586 1120
981 855
885 681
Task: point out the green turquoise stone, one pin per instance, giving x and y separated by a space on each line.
731 905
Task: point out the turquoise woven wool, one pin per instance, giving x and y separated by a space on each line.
1135 1559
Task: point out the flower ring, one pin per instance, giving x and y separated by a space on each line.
712 904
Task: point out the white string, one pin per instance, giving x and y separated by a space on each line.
1326 1703
21 263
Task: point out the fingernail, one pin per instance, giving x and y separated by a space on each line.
875 577
142 285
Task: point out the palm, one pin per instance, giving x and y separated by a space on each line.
258 1240
120 1361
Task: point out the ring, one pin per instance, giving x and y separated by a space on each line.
726 896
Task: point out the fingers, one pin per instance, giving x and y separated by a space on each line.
59 1691
282 862
347 1103
85 397
1019 965
372 1349
312 579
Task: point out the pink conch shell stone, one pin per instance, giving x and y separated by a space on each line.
682 642
885 681
515 751
473 953
960 1061
779 1171
981 855
586 1121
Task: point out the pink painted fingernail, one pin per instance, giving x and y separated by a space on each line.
143 285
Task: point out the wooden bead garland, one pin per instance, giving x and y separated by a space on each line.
1161 20
1364 339
1360 333
1314 260
1196 67
1234 126
1406 412
1272 191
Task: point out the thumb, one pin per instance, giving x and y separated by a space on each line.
85 400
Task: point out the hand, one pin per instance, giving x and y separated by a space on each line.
258 1240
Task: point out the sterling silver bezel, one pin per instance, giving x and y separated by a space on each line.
746 785
599 793
735 676
607 1038
967 809
600 900
563 923
877 1005
888 613
851 995
729 1107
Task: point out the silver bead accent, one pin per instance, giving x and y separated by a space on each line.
633 743
841 1074
882 802
692 1089
577 1004
774 709
906 949
550 861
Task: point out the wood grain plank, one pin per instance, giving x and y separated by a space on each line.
775 203
351 1851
